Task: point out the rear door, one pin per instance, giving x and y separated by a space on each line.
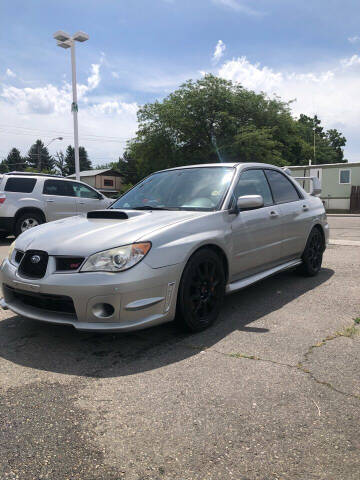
294 211
257 234
89 199
59 198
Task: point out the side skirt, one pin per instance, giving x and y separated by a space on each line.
245 282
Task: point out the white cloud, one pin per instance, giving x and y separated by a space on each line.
238 6
350 62
354 39
115 75
44 112
219 51
10 73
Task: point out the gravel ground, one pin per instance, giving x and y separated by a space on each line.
270 392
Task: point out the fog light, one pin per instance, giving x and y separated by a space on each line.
103 310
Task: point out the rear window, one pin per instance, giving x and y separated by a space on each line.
23 185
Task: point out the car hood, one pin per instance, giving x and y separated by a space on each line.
84 236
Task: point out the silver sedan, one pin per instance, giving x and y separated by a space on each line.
170 248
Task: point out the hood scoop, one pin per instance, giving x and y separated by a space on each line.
108 214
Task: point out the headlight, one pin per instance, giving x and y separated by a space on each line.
117 259
11 249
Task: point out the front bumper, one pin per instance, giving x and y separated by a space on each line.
140 297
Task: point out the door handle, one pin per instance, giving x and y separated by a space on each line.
82 203
50 201
273 214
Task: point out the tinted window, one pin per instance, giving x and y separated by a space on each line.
58 187
282 189
24 185
253 182
84 192
108 183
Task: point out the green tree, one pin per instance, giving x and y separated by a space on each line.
127 166
3 167
212 120
85 162
60 164
39 159
14 161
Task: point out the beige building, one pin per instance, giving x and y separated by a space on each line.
107 181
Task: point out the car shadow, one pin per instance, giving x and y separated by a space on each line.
64 350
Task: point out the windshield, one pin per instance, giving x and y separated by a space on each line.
183 189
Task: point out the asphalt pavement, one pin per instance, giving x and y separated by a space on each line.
271 392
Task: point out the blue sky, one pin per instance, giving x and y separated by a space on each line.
140 50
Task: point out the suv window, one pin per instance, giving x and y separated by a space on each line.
84 192
23 185
58 187
253 182
282 189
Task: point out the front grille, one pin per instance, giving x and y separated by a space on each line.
43 301
18 256
34 264
68 263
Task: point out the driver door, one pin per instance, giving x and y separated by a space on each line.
256 234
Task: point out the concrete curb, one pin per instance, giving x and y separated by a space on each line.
348 243
343 214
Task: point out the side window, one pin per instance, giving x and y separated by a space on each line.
58 187
253 182
344 176
282 189
84 192
23 185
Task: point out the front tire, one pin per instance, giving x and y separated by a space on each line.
313 254
201 291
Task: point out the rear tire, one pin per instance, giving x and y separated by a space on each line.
26 221
201 291
313 253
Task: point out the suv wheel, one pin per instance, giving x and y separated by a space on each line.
27 221
201 291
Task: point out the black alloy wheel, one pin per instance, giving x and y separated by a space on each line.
201 291
313 254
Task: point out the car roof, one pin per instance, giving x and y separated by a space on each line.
34 174
224 164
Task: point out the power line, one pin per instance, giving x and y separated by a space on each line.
68 137
25 130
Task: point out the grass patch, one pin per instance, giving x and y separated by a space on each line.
349 332
357 321
244 355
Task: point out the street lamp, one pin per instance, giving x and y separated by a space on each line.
45 146
64 40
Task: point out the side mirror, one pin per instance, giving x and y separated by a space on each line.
250 202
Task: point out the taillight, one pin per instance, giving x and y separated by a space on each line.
2 198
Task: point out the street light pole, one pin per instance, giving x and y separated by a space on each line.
74 109
64 40
45 146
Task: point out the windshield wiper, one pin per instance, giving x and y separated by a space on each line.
149 207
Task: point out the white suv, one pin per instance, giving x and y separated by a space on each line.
29 199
